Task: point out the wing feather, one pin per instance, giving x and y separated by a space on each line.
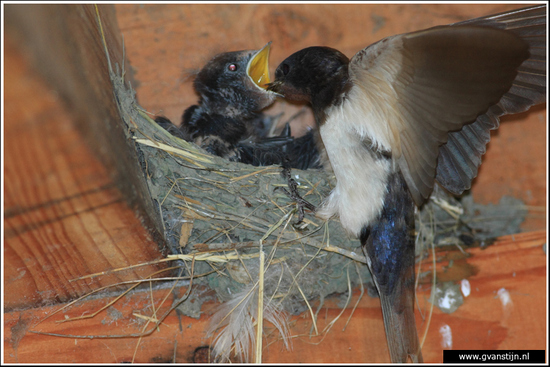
454 170
444 90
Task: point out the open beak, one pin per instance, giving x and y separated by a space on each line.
258 67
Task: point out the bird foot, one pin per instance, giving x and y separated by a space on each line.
292 193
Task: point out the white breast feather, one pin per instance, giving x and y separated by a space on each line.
359 194
368 115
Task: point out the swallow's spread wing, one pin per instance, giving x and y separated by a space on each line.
460 157
425 84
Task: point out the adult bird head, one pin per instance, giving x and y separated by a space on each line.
314 74
235 83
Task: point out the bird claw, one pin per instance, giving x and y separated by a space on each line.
292 193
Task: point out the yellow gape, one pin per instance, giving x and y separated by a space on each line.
258 68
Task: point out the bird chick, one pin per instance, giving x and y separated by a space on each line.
403 113
232 91
228 122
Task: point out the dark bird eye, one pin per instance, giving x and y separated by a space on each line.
285 68
232 67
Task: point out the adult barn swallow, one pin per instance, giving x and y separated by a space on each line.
403 113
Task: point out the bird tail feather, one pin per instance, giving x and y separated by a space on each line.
399 321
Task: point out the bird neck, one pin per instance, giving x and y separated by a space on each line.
225 107
332 94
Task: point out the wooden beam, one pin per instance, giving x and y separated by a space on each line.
516 264
65 45
63 215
